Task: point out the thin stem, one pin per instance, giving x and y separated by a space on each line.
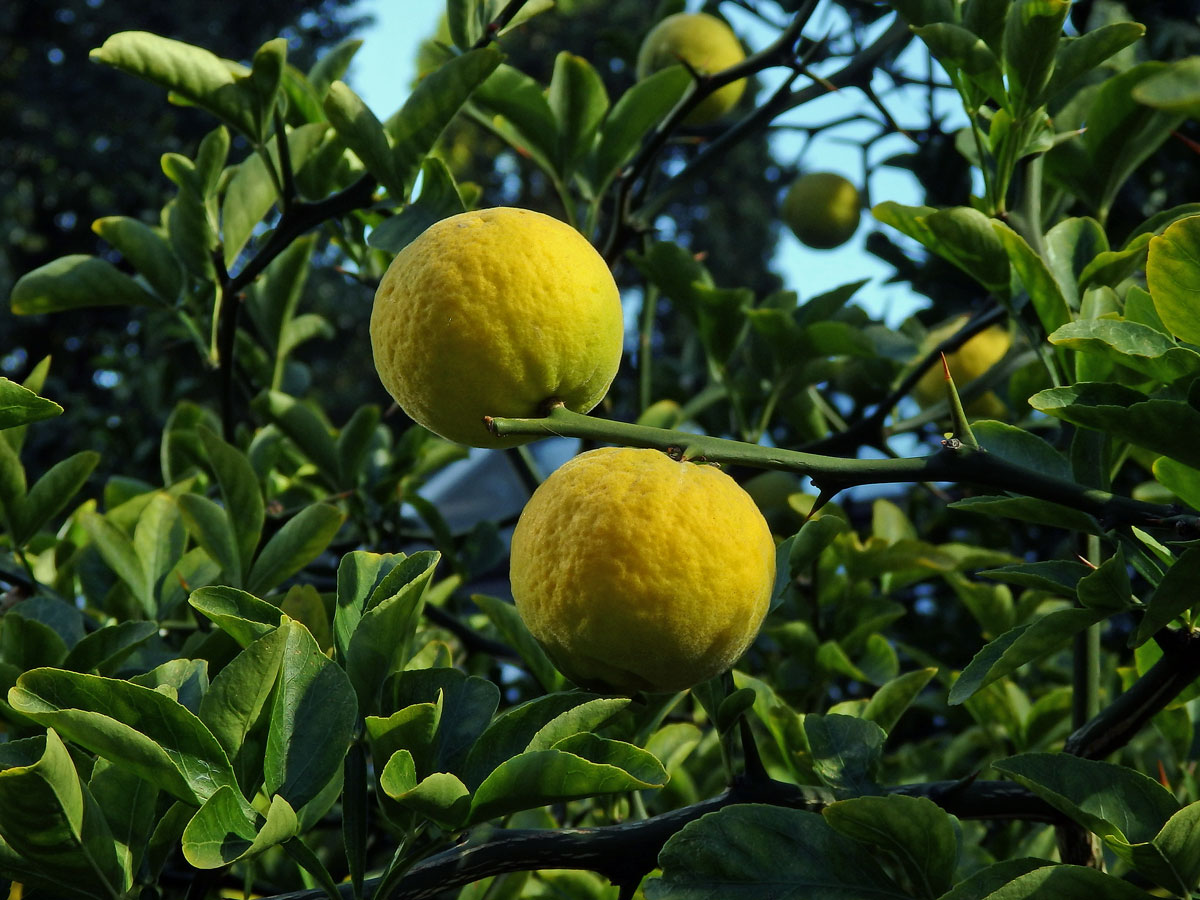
497 24
645 338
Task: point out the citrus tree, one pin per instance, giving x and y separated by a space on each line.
817 607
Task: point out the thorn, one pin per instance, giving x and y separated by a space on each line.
823 498
945 368
1087 562
1162 776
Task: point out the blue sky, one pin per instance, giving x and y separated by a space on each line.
383 71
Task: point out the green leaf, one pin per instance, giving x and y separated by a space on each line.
512 630
1121 134
1107 799
890 702
307 430
382 641
466 703
118 552
49 817
236 702
1021 645
1179 849
360 573
312 721
354 442
128 804
1111 268
333 64
191 73
1175 594
1044 880
1027 509
845 751
1031 35
435 100
51 493
1044 291
301 540
1055 576
513 731
74 282
440 796
957 48
635 113
262 84
984 883
210 525
1107 588
241 615
753 850
1078 56
514 106
364 135
912 829
1173 277
965 237
134 726
1137 347
411 729
20 406
1020 447
439 199
1164 426
1182 481
580 766
220 833
1174 89
240 493
252 191
106 647
578 100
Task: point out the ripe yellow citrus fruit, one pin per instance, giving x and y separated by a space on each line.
822 209
966 364
494 313
637 572
707 45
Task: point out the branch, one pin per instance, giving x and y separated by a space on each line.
625 853
869 430
1114 726
779 52
833 474
857 69
497 24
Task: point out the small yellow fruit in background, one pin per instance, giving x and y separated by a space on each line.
966 364
706 44
493 313
637 572
822 209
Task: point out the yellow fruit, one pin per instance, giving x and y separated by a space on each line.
637 572
822 209
966 364
494 313
707 45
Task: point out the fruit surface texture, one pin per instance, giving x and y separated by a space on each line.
638 572
494 313
822 209
966 364
704 43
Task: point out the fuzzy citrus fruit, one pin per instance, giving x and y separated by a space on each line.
494 313
822 209
637 572
704 43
